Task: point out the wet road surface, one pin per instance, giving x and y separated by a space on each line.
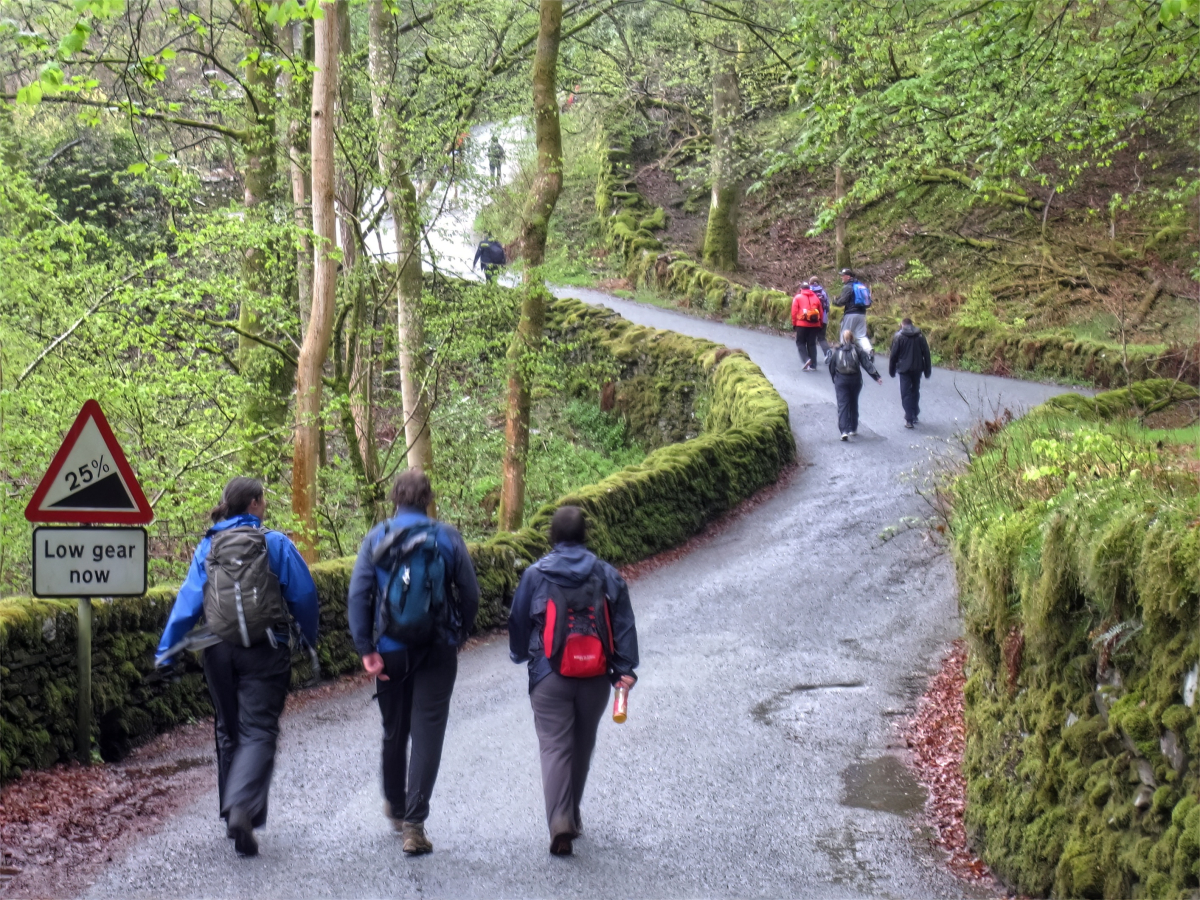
776 660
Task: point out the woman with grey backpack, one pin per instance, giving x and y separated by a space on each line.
245 581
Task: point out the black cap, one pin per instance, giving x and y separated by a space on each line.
846 272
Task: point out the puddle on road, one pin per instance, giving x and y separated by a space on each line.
884 784
762 711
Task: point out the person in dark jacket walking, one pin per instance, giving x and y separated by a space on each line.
845 362
413 683
854 300
822 335
489 255
567 710
910 357
495 159
247 678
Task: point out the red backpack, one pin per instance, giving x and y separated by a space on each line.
811 310
577 633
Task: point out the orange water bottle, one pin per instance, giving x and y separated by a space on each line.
621 704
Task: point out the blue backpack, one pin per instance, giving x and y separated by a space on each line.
862 294
414 600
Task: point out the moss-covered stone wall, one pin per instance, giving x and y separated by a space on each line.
703 467
1081 607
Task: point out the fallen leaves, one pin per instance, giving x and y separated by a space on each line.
936 736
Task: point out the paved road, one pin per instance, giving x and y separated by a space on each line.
776 661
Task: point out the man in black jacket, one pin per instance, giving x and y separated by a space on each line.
490 256
854 300
567 708
910 357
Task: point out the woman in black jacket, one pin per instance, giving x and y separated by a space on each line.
845 362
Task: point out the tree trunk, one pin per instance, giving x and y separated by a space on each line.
839 224
269 376
546 187
406 219
721 236
299 89
316 340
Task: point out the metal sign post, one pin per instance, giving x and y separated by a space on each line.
83 711
81 485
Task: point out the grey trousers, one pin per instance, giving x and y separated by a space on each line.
566 714
857 324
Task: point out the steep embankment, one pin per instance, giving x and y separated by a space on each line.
1002 282
1076 538
711 454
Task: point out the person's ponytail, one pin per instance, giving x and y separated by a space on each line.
236 498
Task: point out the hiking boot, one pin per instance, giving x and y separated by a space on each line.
242 832
908 424
397 822
415 841
561 845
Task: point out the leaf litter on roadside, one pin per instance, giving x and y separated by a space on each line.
936 736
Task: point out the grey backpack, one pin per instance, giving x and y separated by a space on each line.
845 360
242 600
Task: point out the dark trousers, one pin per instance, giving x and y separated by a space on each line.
823 339
806 343
566 714
910 395
414 702
248 686
848 387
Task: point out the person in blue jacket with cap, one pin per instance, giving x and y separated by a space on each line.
240 578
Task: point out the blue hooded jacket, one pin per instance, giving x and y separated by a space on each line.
295 583
368 582
570 565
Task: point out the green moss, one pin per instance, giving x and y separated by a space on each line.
722 433
1050 804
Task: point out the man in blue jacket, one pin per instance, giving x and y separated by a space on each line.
248 682
413 683
567 709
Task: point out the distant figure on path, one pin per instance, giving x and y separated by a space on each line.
844 364
572 622
855 299
823 334
910 357
412 602
240 578
495 159
490 256
808 319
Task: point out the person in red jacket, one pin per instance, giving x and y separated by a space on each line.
808 321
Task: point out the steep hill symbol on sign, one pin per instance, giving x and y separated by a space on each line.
89 479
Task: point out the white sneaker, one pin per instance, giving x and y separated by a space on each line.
845 437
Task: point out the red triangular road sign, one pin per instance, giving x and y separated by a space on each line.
89 480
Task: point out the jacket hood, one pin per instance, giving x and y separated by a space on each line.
568 564
909 329
241 520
